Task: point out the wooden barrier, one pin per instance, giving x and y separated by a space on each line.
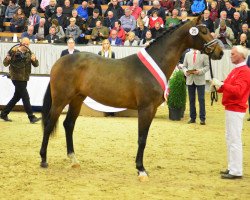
9 34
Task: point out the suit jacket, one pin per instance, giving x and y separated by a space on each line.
201 64
248 61
55 38
66 52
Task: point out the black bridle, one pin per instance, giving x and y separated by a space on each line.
214 94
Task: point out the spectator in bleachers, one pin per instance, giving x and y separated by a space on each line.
173 20
18 22
244 29
128 21
2 15
147 40
110 20
45 3
90 24
60 17
10 11
59 30
41 29
230 10
50 10
79 21
223 17
114 39
244 12
220 5
73 31
106 50
27 8
131 41
52 37
140 32
99 32
184 16
182 5
61 3
243 41
21 3
236 24
214 13
92 6
168 6
225 34
115 8
83 11
120 31
67 9
34 17
207 21
29 33
157 30
155 18
144 18
135 9
157 6
197 7
35 3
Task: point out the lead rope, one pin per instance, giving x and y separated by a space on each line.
214 94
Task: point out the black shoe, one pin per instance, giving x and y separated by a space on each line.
34 119
191 121
5 118
202 123
230 176
224 172
248 119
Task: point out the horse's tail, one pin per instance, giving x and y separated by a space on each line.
48 123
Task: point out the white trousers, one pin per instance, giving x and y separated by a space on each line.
234 124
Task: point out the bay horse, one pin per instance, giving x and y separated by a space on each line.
124 83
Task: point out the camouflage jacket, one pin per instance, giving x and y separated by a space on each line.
20 64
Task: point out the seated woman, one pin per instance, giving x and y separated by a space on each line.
106 50
143 18
18 22
34 17
147 40
73 31
140 31
155 18
131 41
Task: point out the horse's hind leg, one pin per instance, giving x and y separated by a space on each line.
145 117
69 124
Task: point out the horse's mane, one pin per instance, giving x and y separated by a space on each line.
167 32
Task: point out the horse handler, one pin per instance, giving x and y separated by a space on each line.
20 59
236 90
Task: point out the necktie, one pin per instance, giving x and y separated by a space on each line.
194 57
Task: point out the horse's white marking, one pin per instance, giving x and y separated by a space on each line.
142 173
73 158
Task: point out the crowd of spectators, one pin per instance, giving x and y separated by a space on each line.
58 20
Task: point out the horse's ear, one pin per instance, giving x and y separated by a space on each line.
198 19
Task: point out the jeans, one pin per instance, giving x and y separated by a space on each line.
201 98
20 93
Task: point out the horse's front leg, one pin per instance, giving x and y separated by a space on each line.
69 124
145 117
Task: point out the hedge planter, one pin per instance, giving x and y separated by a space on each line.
176 113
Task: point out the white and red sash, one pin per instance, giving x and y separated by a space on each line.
155 70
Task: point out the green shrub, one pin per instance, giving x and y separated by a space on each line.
177 86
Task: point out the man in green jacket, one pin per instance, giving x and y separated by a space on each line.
19 59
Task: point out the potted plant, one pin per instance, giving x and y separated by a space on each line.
177 95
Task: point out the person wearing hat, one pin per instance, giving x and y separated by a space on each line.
92 21
225 34
19 59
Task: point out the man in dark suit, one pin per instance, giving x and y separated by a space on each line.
52 37
207 21
71 48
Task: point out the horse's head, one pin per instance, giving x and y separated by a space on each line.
203 40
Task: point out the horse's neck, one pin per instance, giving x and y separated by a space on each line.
168 55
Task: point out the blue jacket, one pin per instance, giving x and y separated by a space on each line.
83 13
118 41
198 6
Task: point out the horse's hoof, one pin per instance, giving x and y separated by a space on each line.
143 178
44 165
76 166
